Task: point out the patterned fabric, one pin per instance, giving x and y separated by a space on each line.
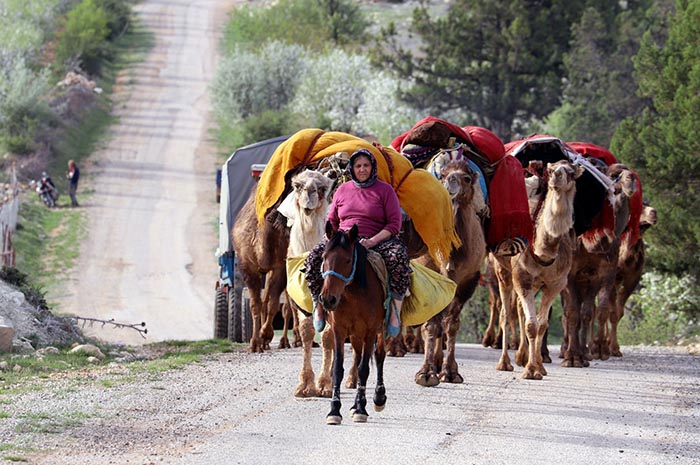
418 154
395 256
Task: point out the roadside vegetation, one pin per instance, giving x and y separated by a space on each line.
601 72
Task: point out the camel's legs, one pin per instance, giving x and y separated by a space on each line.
306 387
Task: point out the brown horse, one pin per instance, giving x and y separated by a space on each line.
353 295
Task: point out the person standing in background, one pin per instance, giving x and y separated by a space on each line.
73 176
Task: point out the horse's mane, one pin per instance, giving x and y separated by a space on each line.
341 239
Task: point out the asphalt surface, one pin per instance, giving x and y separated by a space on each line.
238 408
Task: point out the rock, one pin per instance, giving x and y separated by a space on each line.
22 346
4 366
48 351
7 333
93 360
17 368
88 349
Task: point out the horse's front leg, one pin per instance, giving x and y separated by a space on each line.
334 417
364 347
427 375
380 390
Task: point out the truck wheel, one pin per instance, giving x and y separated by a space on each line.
234 302
221 314
234 299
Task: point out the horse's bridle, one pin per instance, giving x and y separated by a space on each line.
345 279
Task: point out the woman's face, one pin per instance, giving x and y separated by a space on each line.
362 168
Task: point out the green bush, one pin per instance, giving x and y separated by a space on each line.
23 110
315 24
665 310
83 40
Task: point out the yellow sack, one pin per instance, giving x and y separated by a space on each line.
296 283
430 293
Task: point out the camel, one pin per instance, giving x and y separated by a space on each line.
262 251
310 208
463 267
534 185
593 274
630 265
542 267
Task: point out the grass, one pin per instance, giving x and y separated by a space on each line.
158 358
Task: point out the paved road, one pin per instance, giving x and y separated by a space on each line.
152 219
238 408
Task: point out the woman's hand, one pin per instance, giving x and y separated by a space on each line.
367 243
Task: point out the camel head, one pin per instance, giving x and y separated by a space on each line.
625 179
625 183
648 217
561 176
459 179
310 189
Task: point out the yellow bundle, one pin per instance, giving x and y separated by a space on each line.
421 196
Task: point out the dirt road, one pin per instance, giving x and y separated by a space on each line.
152 218
238 408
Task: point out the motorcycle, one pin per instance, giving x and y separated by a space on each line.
47 190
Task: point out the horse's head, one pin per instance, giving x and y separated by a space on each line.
343 263
459 179
310 190
562 175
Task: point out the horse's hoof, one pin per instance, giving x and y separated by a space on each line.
360 417
334 419
379 408
546 359
284 344
616 353
585 363
350 384
567 363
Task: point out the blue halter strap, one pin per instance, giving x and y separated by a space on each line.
345 279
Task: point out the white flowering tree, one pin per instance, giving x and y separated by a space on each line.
341 92
248 83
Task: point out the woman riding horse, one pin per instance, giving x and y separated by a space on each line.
373 206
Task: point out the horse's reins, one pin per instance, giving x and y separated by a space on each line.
345 279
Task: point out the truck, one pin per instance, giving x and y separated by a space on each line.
235 179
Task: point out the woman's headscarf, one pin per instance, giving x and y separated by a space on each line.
373 175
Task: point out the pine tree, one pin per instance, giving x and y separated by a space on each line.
662 144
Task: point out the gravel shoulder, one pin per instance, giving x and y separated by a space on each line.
239 408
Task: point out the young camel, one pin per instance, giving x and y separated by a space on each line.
630 266
544 266
463 267
310 208
593 275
